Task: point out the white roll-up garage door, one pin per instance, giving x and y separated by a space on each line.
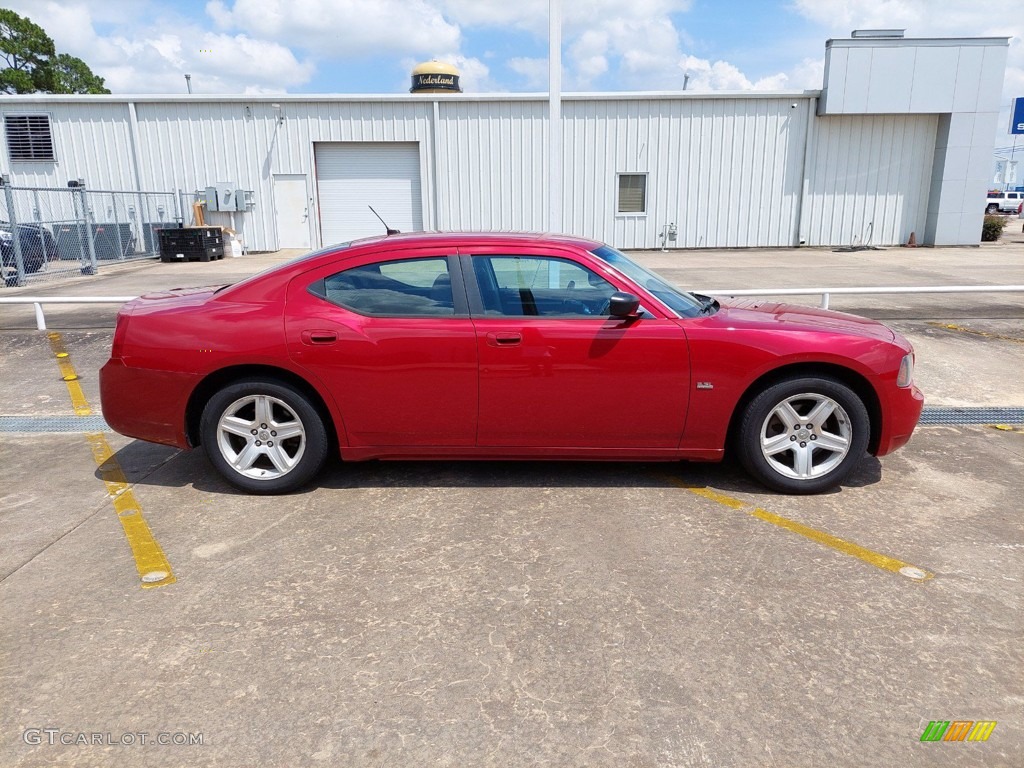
351 176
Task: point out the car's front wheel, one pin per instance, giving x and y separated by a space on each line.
264 436
803 435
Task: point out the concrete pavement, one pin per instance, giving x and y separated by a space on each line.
503 614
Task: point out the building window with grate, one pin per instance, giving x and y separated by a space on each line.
632 193
29 137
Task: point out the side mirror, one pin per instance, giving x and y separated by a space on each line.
622 304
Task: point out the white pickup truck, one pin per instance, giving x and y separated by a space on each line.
1003 202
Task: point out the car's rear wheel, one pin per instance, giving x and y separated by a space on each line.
264 436
991 208
803 435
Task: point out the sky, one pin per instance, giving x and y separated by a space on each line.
370 46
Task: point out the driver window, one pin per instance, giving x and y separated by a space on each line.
539 285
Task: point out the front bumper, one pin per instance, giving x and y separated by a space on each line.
900 419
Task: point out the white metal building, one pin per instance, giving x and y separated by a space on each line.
898 141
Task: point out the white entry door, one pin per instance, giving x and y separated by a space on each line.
291 202
352 176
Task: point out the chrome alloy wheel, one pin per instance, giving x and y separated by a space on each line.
806 436
261 437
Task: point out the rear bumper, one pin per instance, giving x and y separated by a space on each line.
900 419
146 404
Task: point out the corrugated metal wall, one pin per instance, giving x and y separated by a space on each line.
726 171
91 141
492 165
868 179
191 145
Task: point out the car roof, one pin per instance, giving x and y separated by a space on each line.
287 270
476 238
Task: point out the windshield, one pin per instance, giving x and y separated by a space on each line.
685 304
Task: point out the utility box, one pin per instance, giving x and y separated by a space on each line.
225 197
210 199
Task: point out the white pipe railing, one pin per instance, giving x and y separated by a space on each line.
825 293
38 301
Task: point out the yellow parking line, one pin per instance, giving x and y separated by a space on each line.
68 374
150 560
841 545
973 332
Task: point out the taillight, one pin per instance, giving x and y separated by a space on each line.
120 331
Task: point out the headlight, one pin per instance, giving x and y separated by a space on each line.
5 236
906 374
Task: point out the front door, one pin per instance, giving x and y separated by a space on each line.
557 371
291 204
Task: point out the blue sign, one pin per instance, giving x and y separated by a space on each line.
1017 117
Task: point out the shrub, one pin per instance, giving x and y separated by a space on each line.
992 228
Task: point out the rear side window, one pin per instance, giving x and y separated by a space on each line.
409 288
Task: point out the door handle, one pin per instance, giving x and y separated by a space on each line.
319 337
504 339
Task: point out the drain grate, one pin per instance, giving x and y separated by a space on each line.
939 415
931 416
53 424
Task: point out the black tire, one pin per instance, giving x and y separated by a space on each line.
252 462
803 457
992 208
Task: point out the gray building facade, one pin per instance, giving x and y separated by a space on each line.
898 141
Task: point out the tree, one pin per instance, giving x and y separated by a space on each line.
33 64
72 75
27 49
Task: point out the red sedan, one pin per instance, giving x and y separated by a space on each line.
511 346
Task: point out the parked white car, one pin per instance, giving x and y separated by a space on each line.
1003 202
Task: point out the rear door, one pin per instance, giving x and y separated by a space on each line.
555 370
389 335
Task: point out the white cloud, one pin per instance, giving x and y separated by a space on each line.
636 45
153 56
714 76
635 41
256 45
589 54
474 75
342 28
577 15
809 74
533 71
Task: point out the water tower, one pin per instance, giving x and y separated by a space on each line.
435 77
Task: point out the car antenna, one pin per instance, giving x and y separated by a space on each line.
389 230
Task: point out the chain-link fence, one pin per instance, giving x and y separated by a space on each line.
48 233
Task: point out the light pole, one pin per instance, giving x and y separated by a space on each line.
1011 164
555 115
